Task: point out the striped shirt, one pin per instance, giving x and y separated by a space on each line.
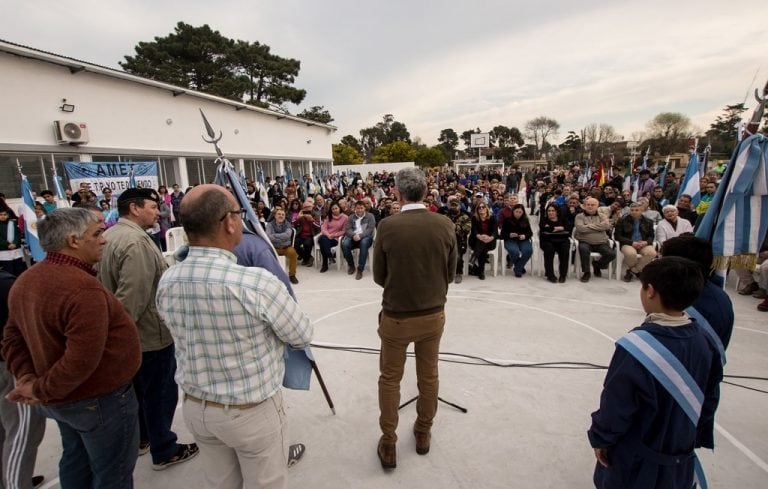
230 324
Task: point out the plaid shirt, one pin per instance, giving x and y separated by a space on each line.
230 324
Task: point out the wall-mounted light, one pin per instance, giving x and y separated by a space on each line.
309 141
237 131
169 121
65 107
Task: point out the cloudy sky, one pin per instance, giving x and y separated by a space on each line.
448 64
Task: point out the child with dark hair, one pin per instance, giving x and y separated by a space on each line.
713 305
661 390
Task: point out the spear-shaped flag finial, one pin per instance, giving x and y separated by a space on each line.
212 135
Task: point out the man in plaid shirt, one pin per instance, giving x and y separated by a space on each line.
230 324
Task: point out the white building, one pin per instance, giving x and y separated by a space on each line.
125 118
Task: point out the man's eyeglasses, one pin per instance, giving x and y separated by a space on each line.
239 212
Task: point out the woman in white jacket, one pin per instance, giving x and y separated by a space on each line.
671 226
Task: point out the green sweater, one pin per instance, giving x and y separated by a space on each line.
414 259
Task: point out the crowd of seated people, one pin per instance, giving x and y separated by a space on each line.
545 210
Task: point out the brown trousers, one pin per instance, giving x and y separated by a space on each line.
290 253
396 334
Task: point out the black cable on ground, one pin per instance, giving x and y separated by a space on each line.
484 362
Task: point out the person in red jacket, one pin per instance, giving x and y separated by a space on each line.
74 350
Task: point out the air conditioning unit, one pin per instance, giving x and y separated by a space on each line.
69 132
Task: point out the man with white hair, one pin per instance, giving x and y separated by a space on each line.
590 230
672 225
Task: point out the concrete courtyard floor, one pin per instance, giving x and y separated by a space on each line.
524 427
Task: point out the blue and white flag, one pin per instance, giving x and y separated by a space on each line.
737 219
691 183
60 195
30 221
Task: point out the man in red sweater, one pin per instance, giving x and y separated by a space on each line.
74 350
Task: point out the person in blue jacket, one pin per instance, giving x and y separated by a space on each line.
642 436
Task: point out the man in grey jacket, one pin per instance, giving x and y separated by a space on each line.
280 233
130 268
590 229
359 234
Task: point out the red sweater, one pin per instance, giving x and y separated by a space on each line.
69 331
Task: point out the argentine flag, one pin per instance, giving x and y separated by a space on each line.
737 220
30 221
691 185
60 195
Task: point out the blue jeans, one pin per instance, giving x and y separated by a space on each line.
348 244
326 244
158 395
99 440
520 252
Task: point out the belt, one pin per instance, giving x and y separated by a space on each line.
663 458
220 405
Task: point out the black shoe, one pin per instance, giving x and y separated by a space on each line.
628 276
552 279
596 269
359 275
350 269
310 262
481 275
293 279
749 289
457 279
561 279
37 480
183 454
585 278
518 274
324 268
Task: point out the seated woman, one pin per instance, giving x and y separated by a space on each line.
294 209
672 225
331 231
554 238
482 239
516 232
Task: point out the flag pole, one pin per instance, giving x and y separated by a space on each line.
226 172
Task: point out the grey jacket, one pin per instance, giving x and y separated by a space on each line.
130 268
281 235
591 229
368 225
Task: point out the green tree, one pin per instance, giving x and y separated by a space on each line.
724 132
448 140
351 140
669 132
192 57
394 152
387 131
426 157
346 155
571 148
316 113
538 130
202 59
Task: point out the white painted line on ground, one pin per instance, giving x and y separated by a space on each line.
753 330
746 451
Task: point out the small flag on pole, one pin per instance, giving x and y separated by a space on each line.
30 221
60 195
691 185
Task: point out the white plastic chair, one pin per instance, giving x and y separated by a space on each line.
175 238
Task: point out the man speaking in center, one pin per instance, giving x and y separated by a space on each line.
415 255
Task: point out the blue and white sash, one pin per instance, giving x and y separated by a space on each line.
709 330
667 369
